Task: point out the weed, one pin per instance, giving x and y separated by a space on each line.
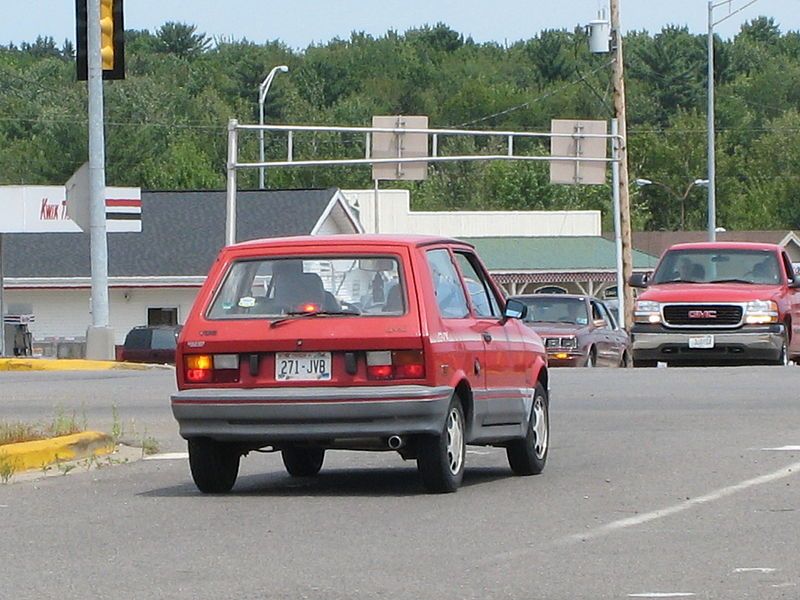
11 433
149 445
6 468
64 424
117 430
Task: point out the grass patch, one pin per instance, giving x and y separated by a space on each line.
63 423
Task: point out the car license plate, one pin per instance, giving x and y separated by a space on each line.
303 366
701 342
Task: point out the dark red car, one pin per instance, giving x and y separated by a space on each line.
578 331
301 345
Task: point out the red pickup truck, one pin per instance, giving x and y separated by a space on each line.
718 303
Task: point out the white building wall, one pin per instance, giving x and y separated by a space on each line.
395 216
64 313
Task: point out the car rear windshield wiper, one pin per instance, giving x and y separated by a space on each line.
293 315
732 280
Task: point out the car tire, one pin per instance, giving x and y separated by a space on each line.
440 458
625 360
783 357
302 462
214 465
591 359
527 456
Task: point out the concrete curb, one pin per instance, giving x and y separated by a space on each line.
40 453
65 364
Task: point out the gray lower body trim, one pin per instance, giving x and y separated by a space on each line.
733 347
275 415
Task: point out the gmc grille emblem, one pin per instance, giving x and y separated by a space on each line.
702 314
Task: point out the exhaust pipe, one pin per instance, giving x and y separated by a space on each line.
395 442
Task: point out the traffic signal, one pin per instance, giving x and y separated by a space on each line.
112 39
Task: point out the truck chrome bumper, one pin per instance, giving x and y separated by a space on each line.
728 347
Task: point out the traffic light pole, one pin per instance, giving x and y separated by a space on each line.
99 337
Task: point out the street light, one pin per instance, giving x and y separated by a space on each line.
682 197
712 182
262 95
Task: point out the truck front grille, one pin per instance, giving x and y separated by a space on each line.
703 315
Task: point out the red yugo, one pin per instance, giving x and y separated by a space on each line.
366 342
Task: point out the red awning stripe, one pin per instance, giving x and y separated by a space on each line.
133 203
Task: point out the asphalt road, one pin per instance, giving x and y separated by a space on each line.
660 481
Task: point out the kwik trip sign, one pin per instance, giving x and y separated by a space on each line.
43 209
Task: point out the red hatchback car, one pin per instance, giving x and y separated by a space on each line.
367 342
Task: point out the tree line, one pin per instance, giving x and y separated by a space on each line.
166 123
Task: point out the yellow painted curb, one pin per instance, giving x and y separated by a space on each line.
64 364
38 454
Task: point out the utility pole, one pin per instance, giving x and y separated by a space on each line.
99 337
624 197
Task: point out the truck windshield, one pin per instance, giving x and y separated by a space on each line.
718 266
338 286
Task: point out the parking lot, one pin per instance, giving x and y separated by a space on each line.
676 482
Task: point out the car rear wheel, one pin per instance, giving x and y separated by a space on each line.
302 462
440 458
528 455
214 465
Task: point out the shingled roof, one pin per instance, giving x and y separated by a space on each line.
553 254
182 232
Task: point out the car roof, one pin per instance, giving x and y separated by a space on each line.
724 246
364 239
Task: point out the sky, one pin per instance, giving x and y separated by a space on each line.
299 23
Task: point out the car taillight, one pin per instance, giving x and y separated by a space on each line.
397 364
211 368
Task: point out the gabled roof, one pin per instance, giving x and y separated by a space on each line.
182 232
553 254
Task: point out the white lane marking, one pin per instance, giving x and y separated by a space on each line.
662 595
168 456
784 585
784 449
754 570
786 471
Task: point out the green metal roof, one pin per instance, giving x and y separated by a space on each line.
548 254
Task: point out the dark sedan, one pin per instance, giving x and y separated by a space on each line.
577 331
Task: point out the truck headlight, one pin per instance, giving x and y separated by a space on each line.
647 311
760 312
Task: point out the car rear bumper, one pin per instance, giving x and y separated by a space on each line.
265 416
762 344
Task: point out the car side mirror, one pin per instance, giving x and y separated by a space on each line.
795 283
515 310
599 323
639 280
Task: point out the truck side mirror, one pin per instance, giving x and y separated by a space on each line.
639 280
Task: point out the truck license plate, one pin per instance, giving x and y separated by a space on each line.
701 342
303 366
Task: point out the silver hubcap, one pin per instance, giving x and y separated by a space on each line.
539 426
455 441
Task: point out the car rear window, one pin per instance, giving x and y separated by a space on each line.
138 339
348 286
557 310
164 339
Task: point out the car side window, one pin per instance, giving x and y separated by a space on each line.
447 286
599 314
787 266
480 291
